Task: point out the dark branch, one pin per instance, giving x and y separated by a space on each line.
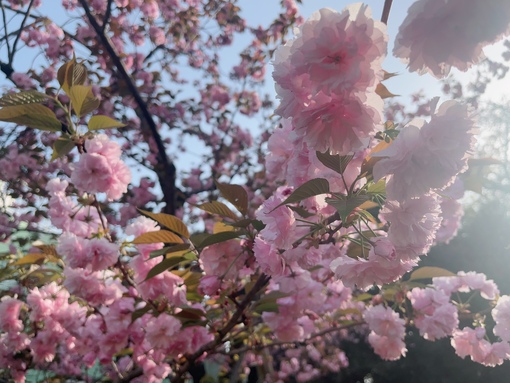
234 321
13 51
4 18
164 169
386 11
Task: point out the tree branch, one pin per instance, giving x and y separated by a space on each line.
234 321
107 15
11 56
386 11
165 169
290 343
4 18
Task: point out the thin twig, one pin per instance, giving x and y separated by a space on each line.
4 17
291 343
11 56
107 15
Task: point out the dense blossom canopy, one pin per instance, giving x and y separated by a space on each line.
271 276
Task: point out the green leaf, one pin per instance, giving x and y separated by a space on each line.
377 188
90 104
169 221
236 195
164 265
103 122
310 188
198 238
61 147
32 115
335 162
193 296
268 302
140 312
243 223
218 238
70 74
258 225
192 279
23 98
189 313
169 250
267 307
355 250
429 272
367 215
40 277
30 259
301 211
190 256
369 161
345 205
82 99
50 250
164 236
363 297
216 207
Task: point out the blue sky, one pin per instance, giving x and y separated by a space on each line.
263 11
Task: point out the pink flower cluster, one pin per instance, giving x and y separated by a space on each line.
466 282
326 77
50 38
93 254
69 216
413 224
166 285
387 332
472 342
306 299
223 260
100 169
435 316
292 160
419 163
440 34
315 252
428 156
382 266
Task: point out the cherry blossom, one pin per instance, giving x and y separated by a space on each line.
429 155
435 316
100 169
387 332
439 35
283 274
501 314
